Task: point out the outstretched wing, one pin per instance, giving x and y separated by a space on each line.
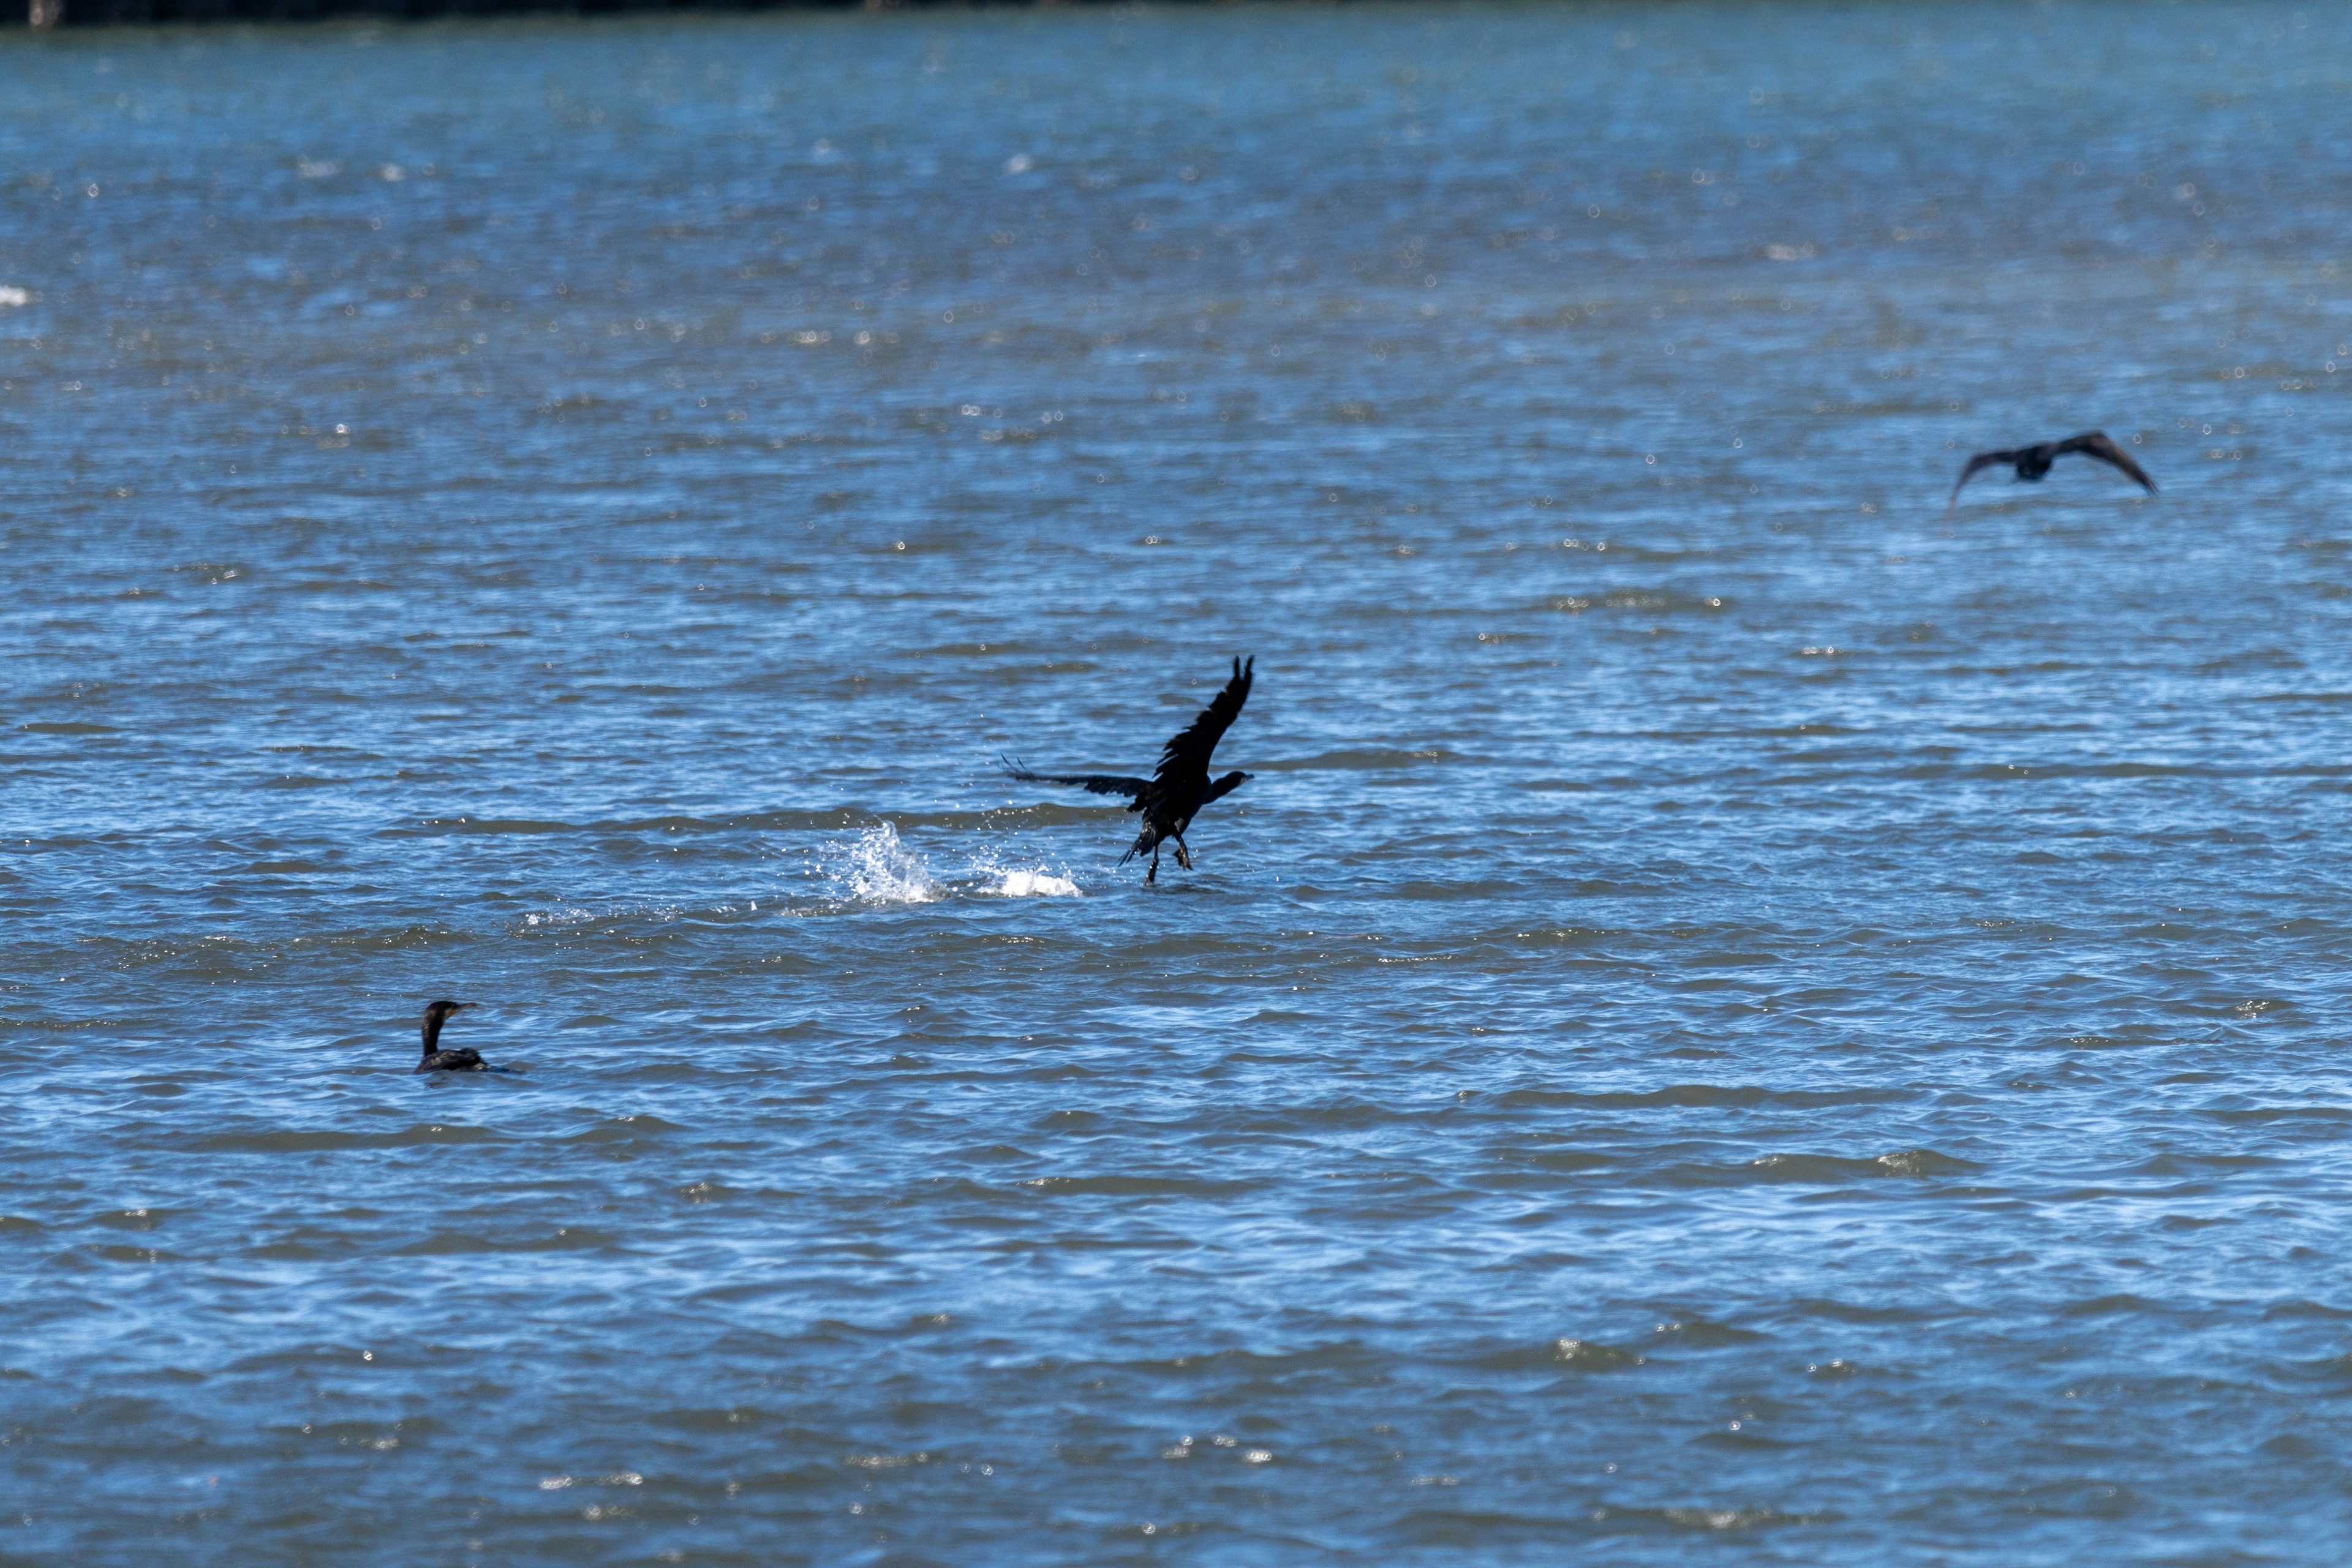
1981 460
1094 784
1186 754
2096 444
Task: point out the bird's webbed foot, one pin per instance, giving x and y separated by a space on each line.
1152 872
1183 856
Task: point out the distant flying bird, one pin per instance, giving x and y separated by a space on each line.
1180 787
460 1060
2032 462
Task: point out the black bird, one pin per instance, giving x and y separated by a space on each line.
2032 462
458 1060
1180 787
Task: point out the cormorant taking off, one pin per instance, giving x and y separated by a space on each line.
1182 786
2032 462
460 1060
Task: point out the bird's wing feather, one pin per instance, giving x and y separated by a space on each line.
1094 784
1981 460
2098 444
1187 752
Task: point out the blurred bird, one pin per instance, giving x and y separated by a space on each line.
1181 785
2032 462
458 1060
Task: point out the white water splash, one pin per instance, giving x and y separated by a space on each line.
1036 885
875 867
878 870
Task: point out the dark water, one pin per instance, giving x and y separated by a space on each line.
1739 1019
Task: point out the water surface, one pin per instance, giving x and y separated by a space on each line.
1739 1018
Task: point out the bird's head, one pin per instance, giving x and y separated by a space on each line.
436 1014
1227 784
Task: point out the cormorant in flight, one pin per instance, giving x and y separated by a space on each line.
1180 787
2032 462
458 1060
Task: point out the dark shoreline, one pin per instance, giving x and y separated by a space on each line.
50 14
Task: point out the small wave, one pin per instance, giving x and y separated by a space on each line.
299 1142
1136 1186
1369 760
1584 1355
875 869
1670 601
1714 1518
559 920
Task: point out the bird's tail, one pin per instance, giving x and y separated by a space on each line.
1145 842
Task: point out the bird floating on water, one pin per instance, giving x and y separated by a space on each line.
458 1060
2032 462
1181 787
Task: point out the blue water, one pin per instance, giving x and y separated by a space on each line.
1740 1016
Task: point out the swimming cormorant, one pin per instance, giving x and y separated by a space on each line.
1181 787
458 1060
2032 462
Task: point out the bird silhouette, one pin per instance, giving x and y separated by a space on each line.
2032 462
1180 787
460 1060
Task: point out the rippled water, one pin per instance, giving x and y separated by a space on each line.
1739 1018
